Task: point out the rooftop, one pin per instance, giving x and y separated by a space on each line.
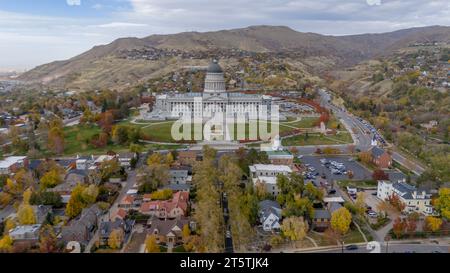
9 161
270 167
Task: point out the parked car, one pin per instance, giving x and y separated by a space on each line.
372 214
351 247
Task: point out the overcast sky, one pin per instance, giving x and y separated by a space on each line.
34 32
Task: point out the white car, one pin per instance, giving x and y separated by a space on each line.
372 214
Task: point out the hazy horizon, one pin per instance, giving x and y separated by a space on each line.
31 35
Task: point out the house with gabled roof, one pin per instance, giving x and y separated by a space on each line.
415 199
270 215
380 157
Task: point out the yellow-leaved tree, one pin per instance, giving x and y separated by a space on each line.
115 239
6 244
26 215
442 203
433 223
294 228
76 203
150 245
341 220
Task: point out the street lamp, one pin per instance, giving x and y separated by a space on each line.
387 243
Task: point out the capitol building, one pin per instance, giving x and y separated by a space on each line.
213 101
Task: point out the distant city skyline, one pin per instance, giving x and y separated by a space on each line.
37 32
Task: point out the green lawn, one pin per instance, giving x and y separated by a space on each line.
353 236
318 139
358 184
77 141
160 131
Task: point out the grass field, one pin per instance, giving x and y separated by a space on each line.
161 131
318 139
358 184
77 141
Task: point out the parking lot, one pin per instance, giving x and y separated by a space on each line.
359 172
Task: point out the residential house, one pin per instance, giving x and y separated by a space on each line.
121 214
175 208
270 215
415 200
125 159
129 202
180 175
267 175
12 164
25 233
125 228
178 187
321 220
83 228
380 157
187 157
71 180
168 232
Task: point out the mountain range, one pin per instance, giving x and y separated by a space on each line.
115 65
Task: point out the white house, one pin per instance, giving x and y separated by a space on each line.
415 200
270 215
12 164
267 175
30 232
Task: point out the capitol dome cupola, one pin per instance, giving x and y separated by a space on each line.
215 80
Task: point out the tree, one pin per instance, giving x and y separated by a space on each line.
294 228
411 226
76 203
186 232
433 223
90 194
5 199
26 215
9 224
6 244
442 203
360 204
26 196
109 168
150 245
341 220
106 121
51 179
56 138
169 159
165 194
380 175
399 227
47 240
396 202
365 157
115 239
155 159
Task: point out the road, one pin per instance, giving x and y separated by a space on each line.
392 247
361 135
131 180
228 240
5 212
